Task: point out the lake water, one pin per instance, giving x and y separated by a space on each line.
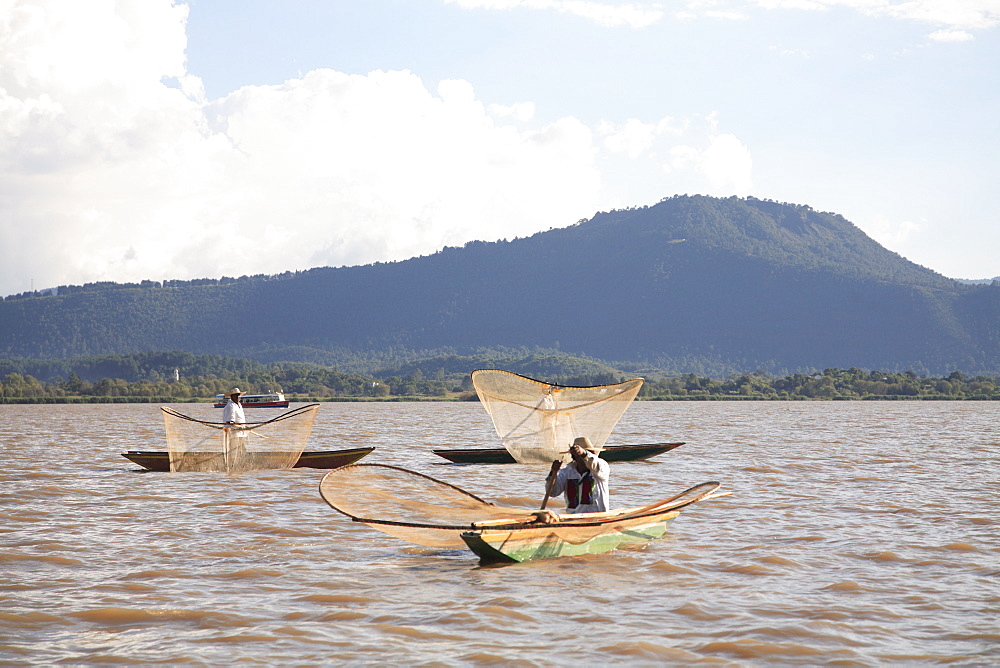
858 533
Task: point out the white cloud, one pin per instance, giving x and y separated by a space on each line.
957 17
782 51
951 36
608 14
633 138
724 165
728 166
891 234
674 156
522 111
956 14
727 15
109 173
805 5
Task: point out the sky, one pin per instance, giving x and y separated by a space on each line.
160 139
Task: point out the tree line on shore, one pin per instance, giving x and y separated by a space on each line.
316 384
841 384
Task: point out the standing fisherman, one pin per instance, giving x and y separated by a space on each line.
233 418
232 413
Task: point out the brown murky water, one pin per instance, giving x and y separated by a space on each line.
858 533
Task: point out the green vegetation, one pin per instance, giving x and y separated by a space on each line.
834 384
294 381
179 377
186 376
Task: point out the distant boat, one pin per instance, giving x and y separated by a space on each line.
610 453
273 400
537 421
159 460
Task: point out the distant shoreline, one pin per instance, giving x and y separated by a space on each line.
396 400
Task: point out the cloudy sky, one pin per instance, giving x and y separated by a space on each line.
150 139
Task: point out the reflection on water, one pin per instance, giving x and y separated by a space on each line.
857 532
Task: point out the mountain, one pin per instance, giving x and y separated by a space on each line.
723 284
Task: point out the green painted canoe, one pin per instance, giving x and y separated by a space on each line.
518 545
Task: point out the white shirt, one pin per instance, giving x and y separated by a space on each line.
233 412
586 492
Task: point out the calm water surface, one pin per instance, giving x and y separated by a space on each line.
858 533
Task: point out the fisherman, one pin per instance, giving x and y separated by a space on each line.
584 481
233 451
232 413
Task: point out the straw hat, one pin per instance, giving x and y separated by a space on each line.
235 392
584 443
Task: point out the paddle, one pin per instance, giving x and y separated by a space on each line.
550 481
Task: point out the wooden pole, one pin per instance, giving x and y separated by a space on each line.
550 481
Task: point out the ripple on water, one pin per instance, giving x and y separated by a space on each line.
836 547
119 616
698 612
668 568
647 651
747 649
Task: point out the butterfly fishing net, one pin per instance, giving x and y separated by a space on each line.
199 445
426 511
538 421
551 534
409 505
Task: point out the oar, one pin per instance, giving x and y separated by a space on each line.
550 481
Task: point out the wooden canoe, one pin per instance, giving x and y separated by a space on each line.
611 453
315 459
584 533
517 545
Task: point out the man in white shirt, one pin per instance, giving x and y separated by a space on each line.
584 481
233 418
232 413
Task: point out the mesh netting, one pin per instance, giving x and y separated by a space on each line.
426 511
409 505
537 422
580 528
197 445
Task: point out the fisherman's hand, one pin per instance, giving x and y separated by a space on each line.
545 517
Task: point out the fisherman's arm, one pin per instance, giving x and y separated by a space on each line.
598 467
558 482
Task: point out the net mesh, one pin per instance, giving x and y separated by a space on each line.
538 421
583 527
198 445
427 511
409 505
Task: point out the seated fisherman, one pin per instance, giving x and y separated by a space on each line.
584 481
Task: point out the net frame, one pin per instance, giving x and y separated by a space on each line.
203 445
410 505
537 421
584 527
357 492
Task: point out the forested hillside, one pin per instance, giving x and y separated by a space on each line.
692 284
